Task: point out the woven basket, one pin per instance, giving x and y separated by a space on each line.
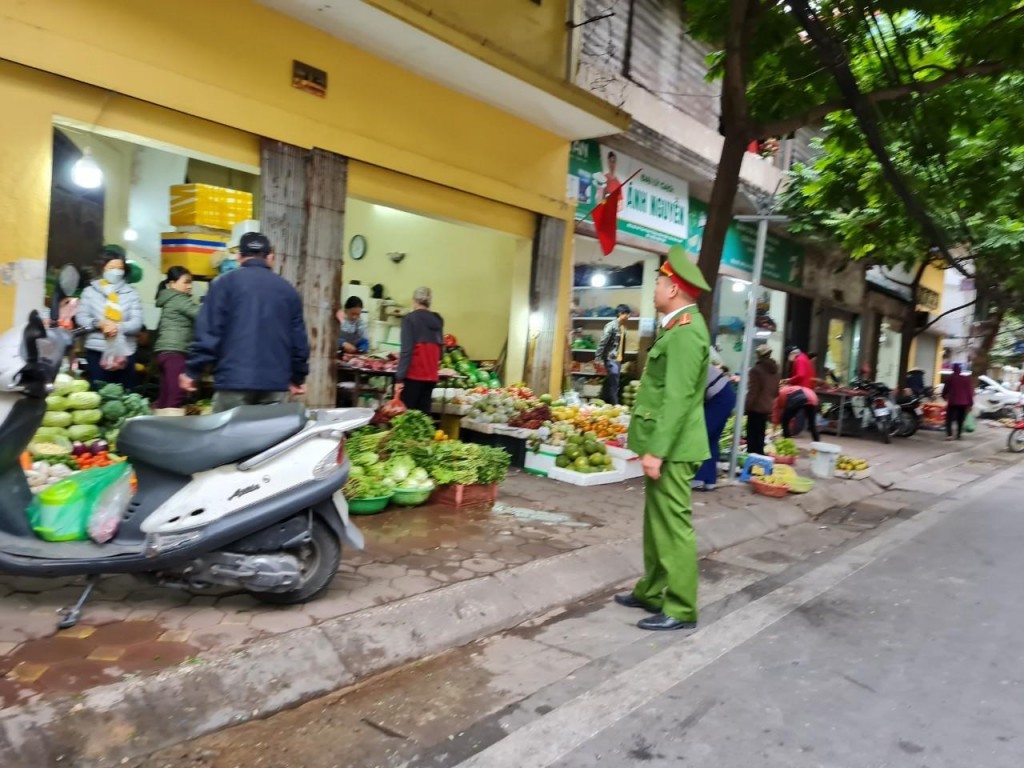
790 460
774 491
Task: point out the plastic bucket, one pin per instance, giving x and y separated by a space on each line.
823 459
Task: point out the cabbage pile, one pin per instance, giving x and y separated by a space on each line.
72 412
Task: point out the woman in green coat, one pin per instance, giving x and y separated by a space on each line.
174 334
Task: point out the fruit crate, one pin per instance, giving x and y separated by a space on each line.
465 495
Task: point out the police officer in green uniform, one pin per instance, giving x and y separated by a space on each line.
667 431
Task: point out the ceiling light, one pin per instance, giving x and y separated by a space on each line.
599 280
85 173
739 286
130 235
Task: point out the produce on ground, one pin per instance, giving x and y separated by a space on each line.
630 391
851 464
784 446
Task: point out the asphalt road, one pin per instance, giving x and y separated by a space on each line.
901 651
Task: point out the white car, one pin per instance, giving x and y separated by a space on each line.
991 397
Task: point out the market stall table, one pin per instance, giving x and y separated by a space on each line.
361 377
840 396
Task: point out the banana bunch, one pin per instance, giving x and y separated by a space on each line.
773 480
851 464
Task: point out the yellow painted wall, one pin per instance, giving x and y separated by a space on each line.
934 279
186 56
479 277
535 34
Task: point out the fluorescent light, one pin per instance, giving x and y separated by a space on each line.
85 173
536 322
130 235
599 280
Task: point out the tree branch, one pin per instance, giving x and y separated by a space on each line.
890 93
969 304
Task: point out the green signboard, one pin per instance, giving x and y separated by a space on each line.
783 259
654 204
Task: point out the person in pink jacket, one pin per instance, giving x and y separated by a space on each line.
793 402
959 396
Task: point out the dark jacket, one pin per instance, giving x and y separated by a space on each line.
958 392
422 337
178 313
763 387
608 347
251 329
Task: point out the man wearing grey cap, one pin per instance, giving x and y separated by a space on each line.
420 358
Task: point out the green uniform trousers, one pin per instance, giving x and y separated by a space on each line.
670 545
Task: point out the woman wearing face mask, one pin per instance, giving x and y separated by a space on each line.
111 307
177 317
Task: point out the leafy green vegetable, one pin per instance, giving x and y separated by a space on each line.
113 410
366 486
111 392
93 416
83 401
411 426
83 433
454 462
62 385
78 385
56 419
56 403
50 432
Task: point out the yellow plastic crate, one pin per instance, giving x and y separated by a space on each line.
204 205
192 250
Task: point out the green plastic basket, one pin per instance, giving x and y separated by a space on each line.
411 498
370 506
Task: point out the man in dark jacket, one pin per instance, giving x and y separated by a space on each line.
420 359
251 330
611 352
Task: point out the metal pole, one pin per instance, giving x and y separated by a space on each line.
748 337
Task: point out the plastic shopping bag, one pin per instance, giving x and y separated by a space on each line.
971 422
110 506
62 512
115 356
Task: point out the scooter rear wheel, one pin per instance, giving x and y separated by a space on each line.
320 559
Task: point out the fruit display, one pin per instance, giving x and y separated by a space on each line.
784 446
851 464
629 393
456 360
585 454
533 418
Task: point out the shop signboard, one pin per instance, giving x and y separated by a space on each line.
654 204
783 259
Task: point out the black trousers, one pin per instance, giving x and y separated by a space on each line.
417 395
757 426
955 414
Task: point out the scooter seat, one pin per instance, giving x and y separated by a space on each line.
185 445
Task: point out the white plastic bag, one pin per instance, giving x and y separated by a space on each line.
109 510
115 356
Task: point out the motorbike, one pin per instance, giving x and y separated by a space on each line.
873 410
248 499
1015 443
909 414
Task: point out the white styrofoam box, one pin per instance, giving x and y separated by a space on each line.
577 478
620 453
518 432
539 463
552 450
477 426
630 468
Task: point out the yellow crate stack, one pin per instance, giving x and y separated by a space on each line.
203 205
192 250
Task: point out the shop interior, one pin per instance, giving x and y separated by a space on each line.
734 297
480 280
601 283
109 189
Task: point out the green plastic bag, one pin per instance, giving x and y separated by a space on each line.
970 423
62 511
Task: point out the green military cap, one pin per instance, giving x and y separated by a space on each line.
682 271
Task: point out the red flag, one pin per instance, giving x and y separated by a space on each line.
606 220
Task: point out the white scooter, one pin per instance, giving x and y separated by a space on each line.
249 499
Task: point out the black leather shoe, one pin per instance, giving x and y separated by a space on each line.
629 600
661 623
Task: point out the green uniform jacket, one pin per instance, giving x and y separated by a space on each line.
668 419
177 318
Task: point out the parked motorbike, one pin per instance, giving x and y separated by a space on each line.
874 410
249 499
1015 443
908 415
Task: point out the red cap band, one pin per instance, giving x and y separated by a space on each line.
687 288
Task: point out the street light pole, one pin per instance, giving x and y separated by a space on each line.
762 220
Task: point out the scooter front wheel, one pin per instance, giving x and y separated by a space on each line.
1016 441
319 561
